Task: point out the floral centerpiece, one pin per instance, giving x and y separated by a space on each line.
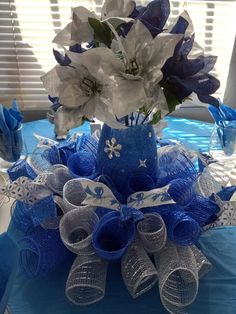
120 198
128 66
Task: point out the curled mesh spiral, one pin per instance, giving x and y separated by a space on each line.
87 280
57 177
181 227
178 277
42 252
152 232
203 265
181 191
76 228
37 162
203 210
138 271
21 169
81 164
174 164
21 217
112 236
73 194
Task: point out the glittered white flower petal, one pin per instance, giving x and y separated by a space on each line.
81 31
101 62
121 8
63 38
127 96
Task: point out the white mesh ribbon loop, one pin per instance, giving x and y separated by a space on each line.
152 232
178 277
138 271
87 280
203 265
76 228
73 195
57 177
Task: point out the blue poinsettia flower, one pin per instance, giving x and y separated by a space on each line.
153 16
183 75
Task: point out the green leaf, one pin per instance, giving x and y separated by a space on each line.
143 110
156 117
102 32
171 98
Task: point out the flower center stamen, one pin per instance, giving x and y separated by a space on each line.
91 87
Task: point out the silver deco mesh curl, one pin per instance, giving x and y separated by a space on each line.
138 271
178 277
76 228
203 265
87 280
73 194
57 177
206 184
152 232
36 161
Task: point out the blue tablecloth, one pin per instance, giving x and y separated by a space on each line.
217 292
195 134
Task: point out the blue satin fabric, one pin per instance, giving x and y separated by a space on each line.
8 268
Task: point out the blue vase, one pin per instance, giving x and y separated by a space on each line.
123 153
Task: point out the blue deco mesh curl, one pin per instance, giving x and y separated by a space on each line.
172 167
182 191
203 210
52 155
21 169
89 144
112 236
42 252
25 217
21 217
62 152
82 164
181 227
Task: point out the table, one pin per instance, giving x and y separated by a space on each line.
47 295
195 134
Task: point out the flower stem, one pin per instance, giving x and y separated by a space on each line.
127 120
137 117
146 116
132 118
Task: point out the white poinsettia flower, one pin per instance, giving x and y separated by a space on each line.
79 30
78 89
133 72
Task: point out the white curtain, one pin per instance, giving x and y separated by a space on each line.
28 27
